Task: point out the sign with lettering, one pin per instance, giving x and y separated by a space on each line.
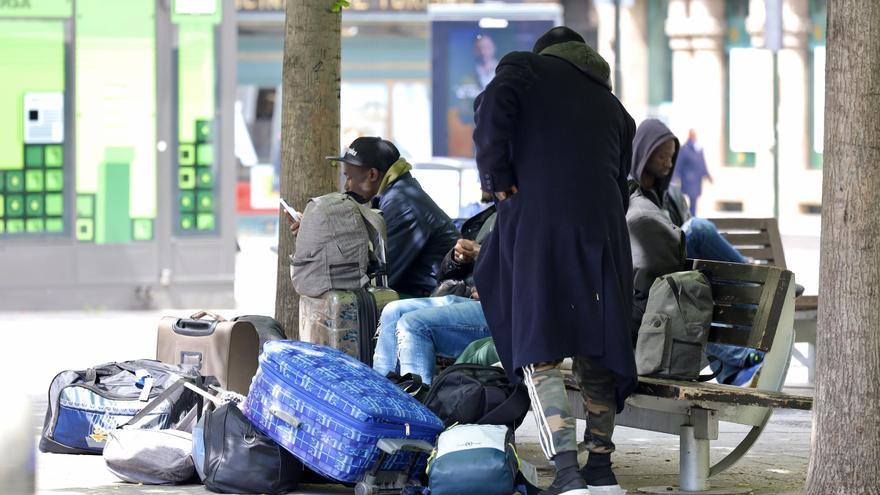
36 8
356 5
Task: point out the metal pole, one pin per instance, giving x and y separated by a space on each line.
618 72
776 135
693 461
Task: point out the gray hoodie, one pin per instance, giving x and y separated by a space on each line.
657 243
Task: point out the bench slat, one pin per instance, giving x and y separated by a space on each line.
740 294
759 254
726 394
732 336
738 239
742 224
732 271
731 315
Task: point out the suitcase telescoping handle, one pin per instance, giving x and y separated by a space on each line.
196 326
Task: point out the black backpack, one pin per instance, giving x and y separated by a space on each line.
476 394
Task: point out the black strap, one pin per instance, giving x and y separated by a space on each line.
714 374
368 319
517 400
158 400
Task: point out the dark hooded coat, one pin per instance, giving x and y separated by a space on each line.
555 275
657 243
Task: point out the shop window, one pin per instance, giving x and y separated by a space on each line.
659 54
738 45
33 118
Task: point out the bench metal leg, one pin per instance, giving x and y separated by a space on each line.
693 460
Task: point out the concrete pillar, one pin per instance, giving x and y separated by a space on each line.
633 49
696 29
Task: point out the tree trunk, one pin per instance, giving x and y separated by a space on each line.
309 127
845 455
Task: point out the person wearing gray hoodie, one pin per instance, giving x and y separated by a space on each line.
662 235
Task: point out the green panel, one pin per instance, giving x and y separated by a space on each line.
54 155
33 180
187 154
31 60
205 221
33 156
116 112
187 201
204 131
36 8
54 205
142 229
14 181
85 206
2 181
15 226
34 205
2 206
113 221
35 225
14 205
54 225
85 230
205 154
186 178
187 222
54 180
206 179
206 202
196 78
2 226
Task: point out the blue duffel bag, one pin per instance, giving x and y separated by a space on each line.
84 406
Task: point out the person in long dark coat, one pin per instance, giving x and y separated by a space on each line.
555 275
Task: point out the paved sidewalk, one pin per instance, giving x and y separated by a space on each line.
36 346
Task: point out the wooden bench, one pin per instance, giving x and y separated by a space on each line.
759 239
754 306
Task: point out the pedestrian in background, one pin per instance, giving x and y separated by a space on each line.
690 169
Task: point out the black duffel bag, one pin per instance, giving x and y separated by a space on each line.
232 456
476 394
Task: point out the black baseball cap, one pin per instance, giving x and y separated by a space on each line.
370 152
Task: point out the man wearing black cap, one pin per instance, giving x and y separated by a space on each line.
555 275
419 232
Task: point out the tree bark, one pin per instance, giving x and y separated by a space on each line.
309 127
845 456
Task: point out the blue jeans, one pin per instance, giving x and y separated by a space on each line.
413 332
704 242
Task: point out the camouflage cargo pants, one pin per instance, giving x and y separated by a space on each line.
556 424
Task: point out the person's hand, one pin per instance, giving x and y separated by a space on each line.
466 251
502 195
294 225
474 294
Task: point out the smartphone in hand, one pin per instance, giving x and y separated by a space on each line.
297 216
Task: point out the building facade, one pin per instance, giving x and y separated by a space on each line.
701 64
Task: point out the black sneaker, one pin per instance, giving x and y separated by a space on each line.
598 471
575 486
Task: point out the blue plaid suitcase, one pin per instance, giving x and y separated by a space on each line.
337 415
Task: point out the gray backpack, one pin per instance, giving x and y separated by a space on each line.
339 242
675 327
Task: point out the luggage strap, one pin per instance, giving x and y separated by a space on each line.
181 382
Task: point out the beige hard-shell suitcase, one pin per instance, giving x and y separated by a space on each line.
227 350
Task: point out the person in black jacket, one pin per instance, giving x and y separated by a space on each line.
413 332
419 232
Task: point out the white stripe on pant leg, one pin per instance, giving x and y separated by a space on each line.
543 424
541 435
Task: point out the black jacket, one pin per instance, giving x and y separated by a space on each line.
419 235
